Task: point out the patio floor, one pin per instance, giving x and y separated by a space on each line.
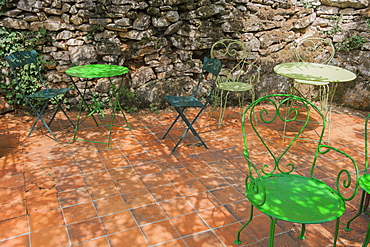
139 194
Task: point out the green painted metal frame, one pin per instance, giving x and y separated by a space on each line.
181 103
241 78
365 185
113 101
18 61
315 50
274 189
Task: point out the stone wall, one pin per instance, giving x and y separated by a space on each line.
163 42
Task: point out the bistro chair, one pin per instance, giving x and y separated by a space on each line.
237 75
282 175
365 185
314 50
25 63
181 103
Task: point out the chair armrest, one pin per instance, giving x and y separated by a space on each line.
347 180
253 182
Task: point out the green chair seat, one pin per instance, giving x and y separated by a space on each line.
299 199
235 86
49 93
183 101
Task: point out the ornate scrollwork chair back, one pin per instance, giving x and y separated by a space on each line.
283 179
238 75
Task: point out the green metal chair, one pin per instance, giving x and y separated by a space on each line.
314 50
25 62
181 103
275 183
238 75
364 184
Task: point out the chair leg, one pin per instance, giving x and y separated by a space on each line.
173 123
272 231
222 108
216 99
190 127
367 237
237 241
347 228
336 233
303 231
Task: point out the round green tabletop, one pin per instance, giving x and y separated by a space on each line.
96 71
314 72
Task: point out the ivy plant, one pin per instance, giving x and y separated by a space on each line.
11 41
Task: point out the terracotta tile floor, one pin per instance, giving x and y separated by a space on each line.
139 194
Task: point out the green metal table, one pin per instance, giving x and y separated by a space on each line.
303 72
99 71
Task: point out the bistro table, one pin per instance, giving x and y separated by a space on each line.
98 71
303 72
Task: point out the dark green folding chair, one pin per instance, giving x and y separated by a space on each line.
23 62
282 179
365 185
181 103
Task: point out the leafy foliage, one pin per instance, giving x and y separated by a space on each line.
11 41
351 43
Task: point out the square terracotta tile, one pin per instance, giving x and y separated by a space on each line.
227 195
103 190
214 181
139 158
176 207
73 197
20 241
99 242
216 217
165 192
97 178
13 194
111 153
189 224
12 181
138 198
85 230
118 222
203 200
160 232
178 175
169 164
201 170
47 201
240 209
110 205
44 220
92 166
129 238
148 168
130 185
66 171
50 237
148 214
116 162
160 154
79 212
152 145
122 173
12 210
154 180
70 183
227 234
13 227
190 187
203 239
175 243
